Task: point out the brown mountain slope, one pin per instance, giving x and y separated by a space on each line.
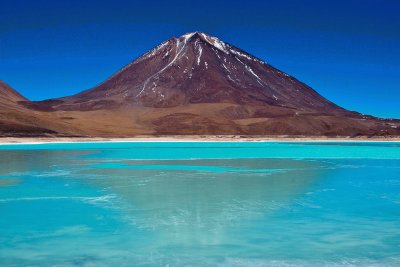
8 96
197 84
15 120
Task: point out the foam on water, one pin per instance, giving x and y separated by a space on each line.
92 200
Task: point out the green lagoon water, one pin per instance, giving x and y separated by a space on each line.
200 204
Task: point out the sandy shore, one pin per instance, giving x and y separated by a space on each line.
191 138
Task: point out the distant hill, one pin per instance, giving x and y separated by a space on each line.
15 119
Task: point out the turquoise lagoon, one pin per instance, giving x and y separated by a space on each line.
200 204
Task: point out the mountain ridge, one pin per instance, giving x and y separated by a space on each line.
196 41
198 84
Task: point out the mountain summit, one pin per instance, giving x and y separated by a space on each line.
198 84
199 68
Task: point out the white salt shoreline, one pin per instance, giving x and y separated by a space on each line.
66 140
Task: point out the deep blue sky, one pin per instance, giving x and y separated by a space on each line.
349 51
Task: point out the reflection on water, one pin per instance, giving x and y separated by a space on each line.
185 204
107 206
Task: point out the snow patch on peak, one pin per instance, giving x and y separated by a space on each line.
188 35
243 55
153 52
199 54
249 69
180 47
217 43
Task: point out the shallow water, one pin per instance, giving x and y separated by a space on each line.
200 204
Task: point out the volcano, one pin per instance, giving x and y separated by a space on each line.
198 68
198 84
